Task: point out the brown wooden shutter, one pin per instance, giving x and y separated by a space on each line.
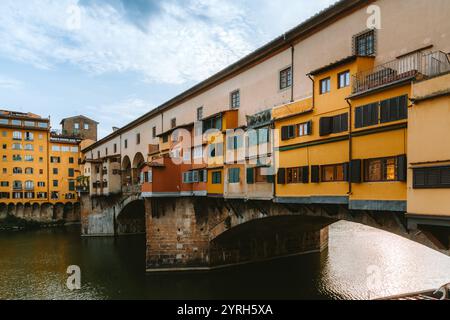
305 174
344 122
355 171
281 176
315 174
385 111
401 168
309 128
325 126
250 175
284 133
359 117
403 107
346 171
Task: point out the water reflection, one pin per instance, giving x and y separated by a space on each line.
33 266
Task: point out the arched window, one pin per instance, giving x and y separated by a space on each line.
29 185
17 170
29 171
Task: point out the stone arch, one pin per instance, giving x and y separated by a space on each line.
36 211
58 211
131 219
11 209
27 211
138 162
68 211
46 213
19 210
126 171
3 211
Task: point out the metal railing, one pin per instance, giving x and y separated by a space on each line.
419 65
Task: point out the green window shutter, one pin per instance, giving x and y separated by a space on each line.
250 175
284 133
315 174
355 171
309 128
325 126
305 174
281 176
346 171
401 168
270 178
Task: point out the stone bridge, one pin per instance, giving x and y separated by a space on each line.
200 233
42 212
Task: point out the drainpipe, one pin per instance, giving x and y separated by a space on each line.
313 91
350 147
292 72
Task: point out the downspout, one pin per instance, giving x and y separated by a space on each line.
292 72
350 147
313 90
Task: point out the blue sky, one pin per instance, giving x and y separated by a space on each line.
114 60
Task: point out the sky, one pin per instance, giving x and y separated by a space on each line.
114 60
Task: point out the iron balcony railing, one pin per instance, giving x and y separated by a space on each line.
419 65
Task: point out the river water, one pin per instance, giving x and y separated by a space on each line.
360 263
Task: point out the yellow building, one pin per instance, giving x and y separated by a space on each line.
429 151
347 144
33 159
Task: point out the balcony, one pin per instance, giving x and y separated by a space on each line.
153 148
418 65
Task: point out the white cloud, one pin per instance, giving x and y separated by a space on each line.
118 114
9 83
183 41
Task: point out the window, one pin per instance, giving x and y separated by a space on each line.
261 175
364 44
431 177
29 147
325 85
29 158
41 184
76 126
285 78
41 149
17 157
4 121
305 129
344 79
56 148
65 149
233 175
29 185
4 133
41 171
367 115
17 170
332 173
335 124
18 195
235 99
98 154
173 123
29 170
115 148
153 133
198 152
216 177
29 195
4 195
71 185
17 135
42 124
17 146
16 122
394 109
17 185
29 136
55 159
41 195
383 169
212 123
55 170
138 138
165 138
215 150
4 158
126 143
55 195
74 149
5 170
55 183
5 146
86 126
71 160
106 151
235 142
297 175
4 184
199 113
29 123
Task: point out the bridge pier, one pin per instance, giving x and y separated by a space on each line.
201 233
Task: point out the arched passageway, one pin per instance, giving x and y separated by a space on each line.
131 220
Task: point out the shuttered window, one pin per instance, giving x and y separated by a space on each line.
281 176
315 174
336 124
297 175
367 115
250 175
293 131
233 175
216 177
334 172
355 171
394 109
431 177
385 169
